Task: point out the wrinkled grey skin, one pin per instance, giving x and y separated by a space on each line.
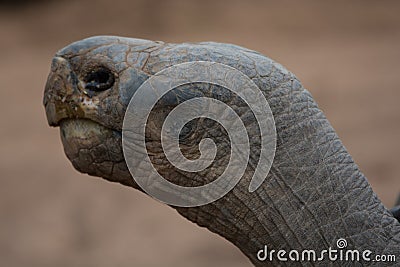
314 193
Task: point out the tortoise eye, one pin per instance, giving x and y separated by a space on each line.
99 80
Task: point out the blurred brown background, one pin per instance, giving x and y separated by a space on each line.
345 52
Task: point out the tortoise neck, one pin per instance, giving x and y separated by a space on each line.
304 204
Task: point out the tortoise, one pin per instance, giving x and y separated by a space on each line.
313 196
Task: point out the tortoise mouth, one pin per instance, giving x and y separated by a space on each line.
83 129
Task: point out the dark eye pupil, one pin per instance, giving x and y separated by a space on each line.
99 77
99 80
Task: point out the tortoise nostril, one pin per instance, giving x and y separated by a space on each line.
57 63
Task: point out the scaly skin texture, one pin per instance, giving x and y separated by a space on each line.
314 193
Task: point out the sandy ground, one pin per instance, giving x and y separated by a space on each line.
345 52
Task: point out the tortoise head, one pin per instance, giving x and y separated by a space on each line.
87 91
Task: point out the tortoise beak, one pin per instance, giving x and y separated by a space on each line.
60 91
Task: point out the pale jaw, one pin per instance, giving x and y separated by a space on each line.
91 147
